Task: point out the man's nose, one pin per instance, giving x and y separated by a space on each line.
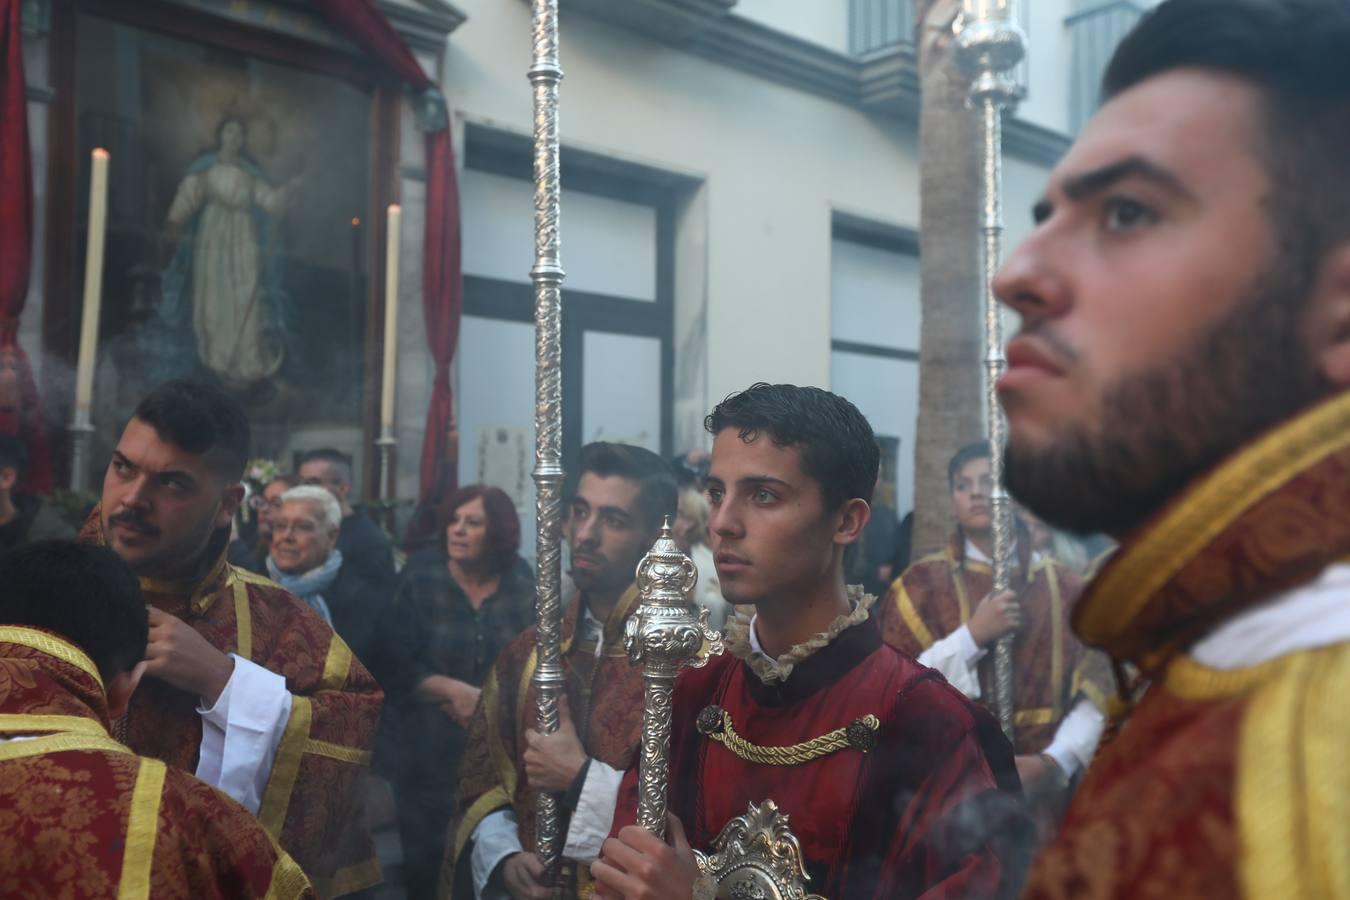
724 521
1030 282
137 495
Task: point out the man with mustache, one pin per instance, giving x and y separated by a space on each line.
895 784
245 686
1181 381
943 612
615 515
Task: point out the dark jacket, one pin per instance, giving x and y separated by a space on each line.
365 548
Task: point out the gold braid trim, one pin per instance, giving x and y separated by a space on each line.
860 735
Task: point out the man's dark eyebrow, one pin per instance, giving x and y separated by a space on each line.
1076 187
614 511
166 475
753 480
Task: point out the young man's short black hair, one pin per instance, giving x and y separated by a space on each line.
335 458
199 417
657 494
961 458
82 592
1294 53
13 454
836 443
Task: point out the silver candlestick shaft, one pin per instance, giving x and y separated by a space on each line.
386 445
668 632
988 45
547 276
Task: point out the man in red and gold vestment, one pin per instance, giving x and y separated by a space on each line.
621 498
1180 382
245 685
941 611
80 814
895 784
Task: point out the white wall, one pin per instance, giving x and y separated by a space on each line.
775 163
823 22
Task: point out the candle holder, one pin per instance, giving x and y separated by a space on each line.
81 430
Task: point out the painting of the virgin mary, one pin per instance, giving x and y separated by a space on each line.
224 284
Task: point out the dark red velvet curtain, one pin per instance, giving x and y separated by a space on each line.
363 23
20 411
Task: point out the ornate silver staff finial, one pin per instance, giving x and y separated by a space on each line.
667 632
547 276
988 45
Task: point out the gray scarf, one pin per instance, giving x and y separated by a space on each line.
309 586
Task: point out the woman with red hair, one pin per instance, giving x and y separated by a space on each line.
456 607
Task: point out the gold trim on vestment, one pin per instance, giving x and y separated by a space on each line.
1189 680
793 754
1041 715
337 665
12 723
501 759
480 809
353 878
201 591
138 854
338 752
277 796
1094 695
243 621
1146 564
288 879
59 743
1292 798
51 645
905 604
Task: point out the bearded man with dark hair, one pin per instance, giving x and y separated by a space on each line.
1180 381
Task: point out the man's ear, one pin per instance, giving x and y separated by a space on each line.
853 518
120 689
230 498
1327 325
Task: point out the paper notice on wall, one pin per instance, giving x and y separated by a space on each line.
504 461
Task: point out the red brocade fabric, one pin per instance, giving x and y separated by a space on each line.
605 696
308 803
81 816
917 816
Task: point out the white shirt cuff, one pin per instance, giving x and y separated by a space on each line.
1076 738
495 838
241 732
957 657
594 814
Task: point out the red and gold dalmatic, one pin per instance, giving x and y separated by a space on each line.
604 693
308 803
937 595
81 816
1231 783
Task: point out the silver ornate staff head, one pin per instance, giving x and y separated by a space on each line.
667 632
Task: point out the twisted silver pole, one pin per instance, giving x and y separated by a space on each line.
547 276
988 45
665 634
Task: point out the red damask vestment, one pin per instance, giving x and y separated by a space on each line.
308 803
1051 668
931 809
1221 783
83 817
605 696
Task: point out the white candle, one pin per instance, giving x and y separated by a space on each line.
93 279
390 317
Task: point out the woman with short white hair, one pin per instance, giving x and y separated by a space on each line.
304 558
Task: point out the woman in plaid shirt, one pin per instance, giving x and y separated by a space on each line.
456 607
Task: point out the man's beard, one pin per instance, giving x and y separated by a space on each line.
1161 429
